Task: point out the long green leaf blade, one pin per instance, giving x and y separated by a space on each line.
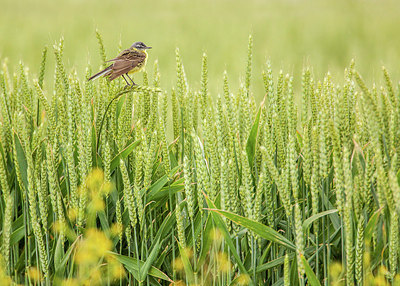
311 219
123 154
149 261
312 279
130 264
262 230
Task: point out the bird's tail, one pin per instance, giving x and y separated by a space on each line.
101 73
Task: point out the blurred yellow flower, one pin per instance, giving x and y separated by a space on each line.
178 264
116 229
59 227
224 265
396 281
243 280
334 272
94 246
178 283
95 180
70 282
107 188
72 214
216 236
34 274
116 270
97 204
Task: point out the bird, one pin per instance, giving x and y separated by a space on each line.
129 61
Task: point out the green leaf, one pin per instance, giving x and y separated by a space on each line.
273 263
161 258
262 230
186 264
59 268
131 263
207 241
120 104
240 280
59 253
23 165
104 222
252 140
17 235
312 279
166 226
371 224
165 192
222 227
18 230
149 261
160 183
311 219
294 275
123 154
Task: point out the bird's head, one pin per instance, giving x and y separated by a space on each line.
140 46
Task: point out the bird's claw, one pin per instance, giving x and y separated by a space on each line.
130 85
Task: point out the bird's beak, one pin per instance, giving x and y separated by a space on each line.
148 48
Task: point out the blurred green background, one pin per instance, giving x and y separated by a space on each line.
323 34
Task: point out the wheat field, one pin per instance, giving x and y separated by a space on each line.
300 189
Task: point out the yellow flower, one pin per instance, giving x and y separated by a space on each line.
334 271
4 279
216 236
97 204
396 281
116 270
224 264
189 252
95 277
243 279
59 227
178 264
95 180
107 188
70 282
34 274
72 214
94 246
116 229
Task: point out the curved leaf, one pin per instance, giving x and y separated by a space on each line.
131 263
252 140
311 219
262 230
123 154
186 264
21 158
312 279
149 261
371 224
222 227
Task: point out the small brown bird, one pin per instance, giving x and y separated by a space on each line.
127 62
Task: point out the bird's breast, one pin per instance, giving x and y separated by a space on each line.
140 66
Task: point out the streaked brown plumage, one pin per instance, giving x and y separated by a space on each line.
128 61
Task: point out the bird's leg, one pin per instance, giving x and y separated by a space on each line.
127 83
130 79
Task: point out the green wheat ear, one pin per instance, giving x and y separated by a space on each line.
268 195
42 67
249 63
102 50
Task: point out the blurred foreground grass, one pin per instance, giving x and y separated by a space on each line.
324 34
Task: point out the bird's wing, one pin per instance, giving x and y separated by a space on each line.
121 55
126 62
